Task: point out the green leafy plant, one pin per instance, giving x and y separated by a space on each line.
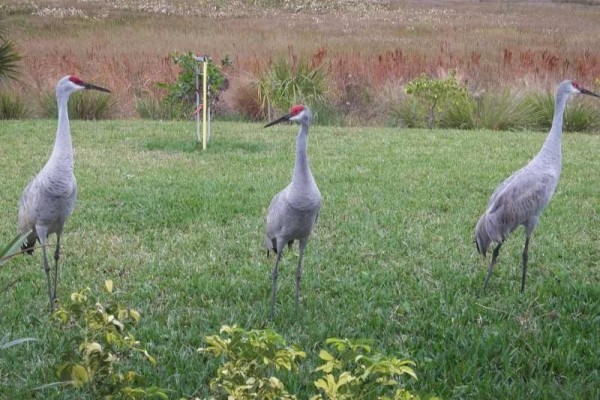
250 358
100 332
436 95
287 83
87 105
181 96
352 371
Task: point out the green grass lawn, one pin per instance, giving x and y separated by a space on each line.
180 232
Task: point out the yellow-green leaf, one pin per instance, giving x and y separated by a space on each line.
325 355
79 375
108 285
134 314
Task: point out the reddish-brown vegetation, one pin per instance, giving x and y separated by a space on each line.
365 49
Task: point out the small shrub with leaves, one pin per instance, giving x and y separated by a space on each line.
437 95
250 359
353 371
103 346
86 105
181 94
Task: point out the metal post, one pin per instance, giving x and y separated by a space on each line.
197 102
204 101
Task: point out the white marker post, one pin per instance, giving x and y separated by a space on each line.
205 106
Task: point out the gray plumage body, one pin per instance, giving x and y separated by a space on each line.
294 211
521 198
49 198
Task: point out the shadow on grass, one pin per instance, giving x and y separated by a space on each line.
215 146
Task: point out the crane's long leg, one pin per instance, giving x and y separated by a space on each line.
301 247
274 282
491 269
525 257
42 235
56 257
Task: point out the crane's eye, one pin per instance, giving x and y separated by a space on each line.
575 85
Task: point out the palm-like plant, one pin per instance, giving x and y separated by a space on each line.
9 56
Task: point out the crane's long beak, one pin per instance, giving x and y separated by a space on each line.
94 87
585 91
279 120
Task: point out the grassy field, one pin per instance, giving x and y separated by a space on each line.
392 259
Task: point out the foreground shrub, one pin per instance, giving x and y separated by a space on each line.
86 105
250 358
99 331
12 106
354 372
350 371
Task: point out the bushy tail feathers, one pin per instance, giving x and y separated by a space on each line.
482 239
29 245
271 245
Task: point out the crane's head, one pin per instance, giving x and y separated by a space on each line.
572 87
71 84
297 113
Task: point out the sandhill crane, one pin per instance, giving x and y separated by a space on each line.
521 198
49 198
293 211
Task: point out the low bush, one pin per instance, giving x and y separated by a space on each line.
437 96
351 370
504 111
408 113
581 115
12 106
289 82
86 105
180 100
103 347
150 107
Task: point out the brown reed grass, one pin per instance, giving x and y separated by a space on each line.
125 45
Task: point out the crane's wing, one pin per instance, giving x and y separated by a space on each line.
503 185
27 207
275 219
522 198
